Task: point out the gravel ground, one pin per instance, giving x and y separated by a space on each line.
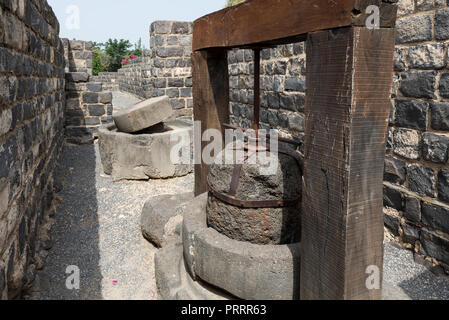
97 228
415 280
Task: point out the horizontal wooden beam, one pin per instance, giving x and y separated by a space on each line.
273 22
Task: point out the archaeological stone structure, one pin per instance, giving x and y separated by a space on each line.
416 167
48 95
140 143
31 134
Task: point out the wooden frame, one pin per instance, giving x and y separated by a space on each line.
349 76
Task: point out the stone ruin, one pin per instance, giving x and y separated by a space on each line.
43 104
138 145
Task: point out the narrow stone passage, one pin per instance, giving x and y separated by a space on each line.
97 229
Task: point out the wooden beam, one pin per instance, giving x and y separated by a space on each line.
210 102
273 22
349 77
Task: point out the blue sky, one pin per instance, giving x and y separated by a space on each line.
124 19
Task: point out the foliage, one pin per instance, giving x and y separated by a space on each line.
113 54
116 50
230 3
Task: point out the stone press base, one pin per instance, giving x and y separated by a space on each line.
147 154
203 264
198 263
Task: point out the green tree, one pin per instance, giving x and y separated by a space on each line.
230 3
116 50
138 49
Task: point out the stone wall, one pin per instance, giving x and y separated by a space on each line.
170 70
164 70
132 77
31 133
416 196
109 80
87 105
78 56
417 167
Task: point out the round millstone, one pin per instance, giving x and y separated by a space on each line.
143 115
257 225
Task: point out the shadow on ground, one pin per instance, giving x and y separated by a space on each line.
75 232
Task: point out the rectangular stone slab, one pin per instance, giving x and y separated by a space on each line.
143 115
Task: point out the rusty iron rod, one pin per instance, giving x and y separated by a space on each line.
256 91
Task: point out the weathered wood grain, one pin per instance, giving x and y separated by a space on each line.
349 76
210 102
273 22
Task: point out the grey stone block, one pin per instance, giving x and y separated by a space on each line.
174 283
414 29
247 271
399 60
295 84
77 76
440 115
161 27
144 156
442 24
158 212
430 56
90 97
418 84
443 185
105 97
143 115
444 85
392 198
413 209
181 27
94 87
435 216
435 245
406 143
411 114
394 170
96 110
257 225
421 180
296 122
410 233
435 148
392 223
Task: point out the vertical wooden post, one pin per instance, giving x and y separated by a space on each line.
210 101
349 76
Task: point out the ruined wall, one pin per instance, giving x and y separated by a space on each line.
164 70
31 133
417 168
109 80
132 77
170 73
87 106
416 186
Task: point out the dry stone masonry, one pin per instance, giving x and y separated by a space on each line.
416 167
163 70
31 133
87 105
47 91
